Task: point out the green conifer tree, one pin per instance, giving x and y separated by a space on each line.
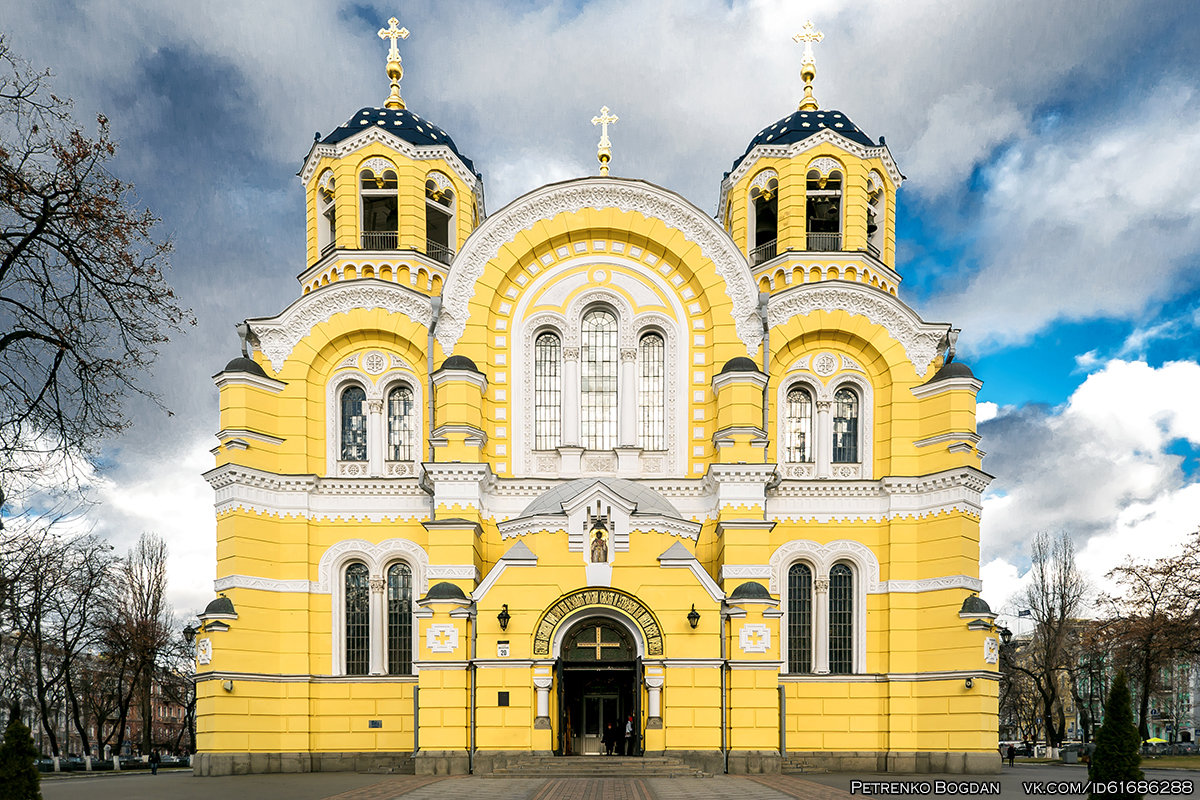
19 778
1118 743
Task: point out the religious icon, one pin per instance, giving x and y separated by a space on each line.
599 545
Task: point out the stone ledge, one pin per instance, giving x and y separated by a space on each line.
710 761
205 765
754 762
919 763
442 762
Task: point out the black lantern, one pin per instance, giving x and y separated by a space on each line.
693 617
504 617
1005 635
189 633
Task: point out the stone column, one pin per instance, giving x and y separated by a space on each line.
823 446
376 437
570 397
821 623
628 408
654 684
378 626
542 684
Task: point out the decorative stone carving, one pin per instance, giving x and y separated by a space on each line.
798 471
599 463
824 165
754 638
991 651
377 585
349 361
850 363
570 353
598 193
375 362
278 336
378 165
440 181
441 638
204 650
847 471
628 354
352 469
401 469
326 182
821 585
825 364
919 339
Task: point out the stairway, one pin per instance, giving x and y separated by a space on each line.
598 767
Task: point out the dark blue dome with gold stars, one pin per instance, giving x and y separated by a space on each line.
802 124
399 122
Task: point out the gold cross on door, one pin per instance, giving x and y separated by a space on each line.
599 644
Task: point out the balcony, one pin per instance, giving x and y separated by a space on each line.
439 252
379 240
764 252
824 242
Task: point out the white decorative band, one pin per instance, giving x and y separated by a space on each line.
262 584
747 572
444 572
930 585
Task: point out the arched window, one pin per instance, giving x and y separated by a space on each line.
652 396
358 619
876 200
800 618
439 217
326 213
797 435
841 620
764 217
400 424
380 216
354 424
399 620
823 217
598 420
547 390
845 426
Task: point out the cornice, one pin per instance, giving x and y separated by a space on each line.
465 375
278 336
948 438
723 379
921 340
651 201
972 385
223 379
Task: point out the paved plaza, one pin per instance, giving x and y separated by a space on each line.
1017 782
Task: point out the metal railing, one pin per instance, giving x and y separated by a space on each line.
439 252
764 252
824 242
379 240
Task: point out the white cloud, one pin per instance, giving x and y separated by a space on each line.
1098 468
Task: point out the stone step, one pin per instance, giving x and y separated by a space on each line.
598 767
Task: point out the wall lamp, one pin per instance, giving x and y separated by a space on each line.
970 682
1005 635
504 617
693 617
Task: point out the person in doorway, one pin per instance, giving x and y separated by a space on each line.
629 737
610 738
155 760
1012 754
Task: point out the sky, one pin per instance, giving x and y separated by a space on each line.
1051 211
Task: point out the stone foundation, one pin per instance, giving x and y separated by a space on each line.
754 762
488 761
953 763
710 761
207 765
442 762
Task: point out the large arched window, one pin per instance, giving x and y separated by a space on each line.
841 620
380 211
764 217
598 389
439 217
845 426
357 605
326 212
399 620
800 618
652 396
823 216
876 214
400 424
797 435
354 424
547 391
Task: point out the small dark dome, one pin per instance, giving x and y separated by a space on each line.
802 124
955 369
460 362
445 591
243 364
399 122
975 605
739 364
222 605
750 590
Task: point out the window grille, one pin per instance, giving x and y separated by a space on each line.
845 426
399 619
354 424
598 423
799 618
797 434
400 424
547 390
358 619
841 620
652 396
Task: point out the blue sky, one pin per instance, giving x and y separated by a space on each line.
1052 208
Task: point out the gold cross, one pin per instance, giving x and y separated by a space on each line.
394 33
808 67
598 644
604 153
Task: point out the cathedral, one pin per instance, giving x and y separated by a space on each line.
500 487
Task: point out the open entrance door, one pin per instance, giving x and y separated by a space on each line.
596 688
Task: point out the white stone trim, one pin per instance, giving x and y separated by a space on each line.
746 572
932 585
920 339
567 622
701 575
223 379
228 582
277 336
451 572
823 389
245 433
948 438
972 385
889 498
507 560
627 195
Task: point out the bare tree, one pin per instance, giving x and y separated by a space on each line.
83 298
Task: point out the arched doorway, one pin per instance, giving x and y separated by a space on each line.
597 681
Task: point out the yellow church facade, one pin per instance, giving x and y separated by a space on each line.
492 483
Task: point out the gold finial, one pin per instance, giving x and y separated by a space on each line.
604 153
808 67
394 70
